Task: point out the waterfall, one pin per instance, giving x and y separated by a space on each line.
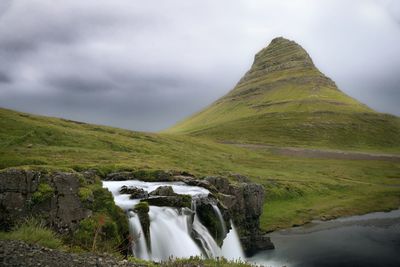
174 232
232 249
139 246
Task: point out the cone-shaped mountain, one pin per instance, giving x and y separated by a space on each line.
285 100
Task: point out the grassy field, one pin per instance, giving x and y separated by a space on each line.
298 188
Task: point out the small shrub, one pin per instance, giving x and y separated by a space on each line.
44 192
33 232
85 194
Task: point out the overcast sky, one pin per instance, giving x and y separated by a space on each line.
144 65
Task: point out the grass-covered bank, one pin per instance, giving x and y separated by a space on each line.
297 188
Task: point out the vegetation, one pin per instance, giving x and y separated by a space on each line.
286 101
44 192
107 228
298 188
33 232
193 261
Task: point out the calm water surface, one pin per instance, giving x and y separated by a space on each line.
368 240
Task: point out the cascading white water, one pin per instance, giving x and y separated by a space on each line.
220 218
169 234
139 246
171 229
232 249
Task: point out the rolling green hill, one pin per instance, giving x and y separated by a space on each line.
285 100
298 187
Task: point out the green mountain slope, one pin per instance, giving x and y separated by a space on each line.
285 100
298 188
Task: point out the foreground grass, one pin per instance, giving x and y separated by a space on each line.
194 261
298 189
33 232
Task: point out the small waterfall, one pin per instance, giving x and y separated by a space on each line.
175 232
232 249
139 247
169 234
221 219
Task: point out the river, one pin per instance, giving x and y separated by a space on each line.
368 240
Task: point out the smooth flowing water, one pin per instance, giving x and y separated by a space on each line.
174 232
369 240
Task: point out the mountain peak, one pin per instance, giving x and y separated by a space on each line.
282 90
282 54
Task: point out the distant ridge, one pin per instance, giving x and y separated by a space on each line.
285 100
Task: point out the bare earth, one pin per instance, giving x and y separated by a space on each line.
321 153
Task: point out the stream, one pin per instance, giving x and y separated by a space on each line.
368 240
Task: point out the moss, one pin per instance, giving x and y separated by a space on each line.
142 209
43 193
85 194
210 220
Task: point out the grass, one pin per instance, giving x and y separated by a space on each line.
296 187
292 106
33 232
193 261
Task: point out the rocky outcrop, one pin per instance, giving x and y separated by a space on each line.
207 213
54 197
178 201
243 201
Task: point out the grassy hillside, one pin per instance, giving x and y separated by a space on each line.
298 188
285 100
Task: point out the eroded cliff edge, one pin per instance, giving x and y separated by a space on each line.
70 202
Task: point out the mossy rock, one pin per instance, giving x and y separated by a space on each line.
163 191
178 201
142 209
210 220
43 193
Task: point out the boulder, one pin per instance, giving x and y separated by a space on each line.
134 191
163 191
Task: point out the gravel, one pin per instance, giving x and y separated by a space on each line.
18 253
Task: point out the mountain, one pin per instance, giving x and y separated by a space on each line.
285 100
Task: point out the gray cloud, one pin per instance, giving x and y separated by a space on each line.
144 65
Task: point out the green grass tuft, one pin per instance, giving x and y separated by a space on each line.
33 232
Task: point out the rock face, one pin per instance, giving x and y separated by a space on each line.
244 204
54 197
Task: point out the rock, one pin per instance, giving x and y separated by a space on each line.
18 253
256 243
54 197
142 209
244 204
134 191
205 210
163 191
178 201
120 176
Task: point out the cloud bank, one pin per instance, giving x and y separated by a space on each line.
145 65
